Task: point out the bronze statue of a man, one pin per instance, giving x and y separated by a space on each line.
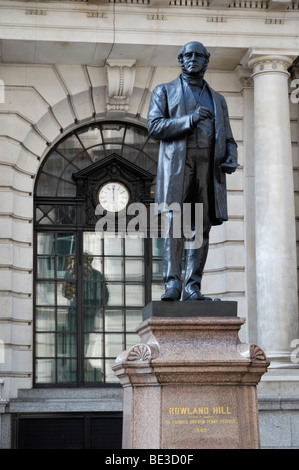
197 148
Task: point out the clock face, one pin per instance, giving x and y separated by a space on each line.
113 196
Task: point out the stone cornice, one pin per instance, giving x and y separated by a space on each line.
269 5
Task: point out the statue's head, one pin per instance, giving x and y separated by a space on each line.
194 58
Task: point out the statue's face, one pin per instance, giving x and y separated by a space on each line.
193 60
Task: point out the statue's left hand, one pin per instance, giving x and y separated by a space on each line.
230 165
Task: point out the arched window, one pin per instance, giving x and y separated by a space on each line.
90 289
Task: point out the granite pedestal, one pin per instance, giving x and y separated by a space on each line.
190 383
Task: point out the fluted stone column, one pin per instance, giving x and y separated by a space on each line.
276 262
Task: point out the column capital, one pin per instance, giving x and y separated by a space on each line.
270 63
267 60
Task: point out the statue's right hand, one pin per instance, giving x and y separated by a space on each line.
201 113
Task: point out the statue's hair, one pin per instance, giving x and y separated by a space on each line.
182 50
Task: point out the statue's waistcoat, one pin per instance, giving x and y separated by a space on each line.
203 134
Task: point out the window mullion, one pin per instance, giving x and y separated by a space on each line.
80 308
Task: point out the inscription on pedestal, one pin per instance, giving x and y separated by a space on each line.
208 419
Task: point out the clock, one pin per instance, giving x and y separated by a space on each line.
113 196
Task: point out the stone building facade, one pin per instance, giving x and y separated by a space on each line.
75 84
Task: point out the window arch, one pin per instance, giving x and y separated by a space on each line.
89 290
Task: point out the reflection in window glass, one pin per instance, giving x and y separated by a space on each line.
66 345
93 319
93 370
90 289
93 346
66 370
63 319
92 243
116 294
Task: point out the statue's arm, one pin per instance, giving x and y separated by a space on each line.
160 125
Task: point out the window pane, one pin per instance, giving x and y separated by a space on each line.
69 147
93 295
45 371
133 318
93 319
93 345
92 268
66 267
157 244
135 136
66 345
46 186
66 319
46 267
113 245
45 319
135 295
158 269
45 243
116 294
134 269
157 291
109 374
114 269
45 293
66 293
65 243
132 340
66 370
114 320
93 370
114 344
45 344
134 245
113 132
90 136
92 243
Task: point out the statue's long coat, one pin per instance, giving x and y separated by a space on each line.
169 123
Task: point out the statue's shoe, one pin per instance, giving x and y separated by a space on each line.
171 294
195 296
